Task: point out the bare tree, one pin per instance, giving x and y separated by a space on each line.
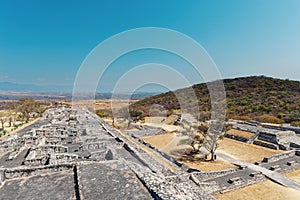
212 142
2 120
209 137
10 121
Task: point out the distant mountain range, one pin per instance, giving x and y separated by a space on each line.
13 91
31 88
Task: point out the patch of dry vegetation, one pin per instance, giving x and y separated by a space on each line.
261 191
240 133
245 152
294 175
209 166
256 97
160 141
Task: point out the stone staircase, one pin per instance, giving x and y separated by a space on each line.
251 140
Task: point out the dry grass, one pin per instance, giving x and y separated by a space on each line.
240 133
236 149
265 190
166 127
155 120
245 152
294 175
102 104
171 119
160 141
210 166
262 191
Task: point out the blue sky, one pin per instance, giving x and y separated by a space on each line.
45 42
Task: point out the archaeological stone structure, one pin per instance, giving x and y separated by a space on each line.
74 154
270 136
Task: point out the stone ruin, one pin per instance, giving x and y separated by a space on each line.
274 137
74 154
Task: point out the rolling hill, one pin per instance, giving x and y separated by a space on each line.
250 98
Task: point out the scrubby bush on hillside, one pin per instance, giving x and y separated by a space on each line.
249 96
243 117
295 123
270 119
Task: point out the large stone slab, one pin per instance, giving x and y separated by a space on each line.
109 180
48 186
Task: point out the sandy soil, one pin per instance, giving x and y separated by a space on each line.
266 190
245 152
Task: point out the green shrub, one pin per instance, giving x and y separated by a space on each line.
101 113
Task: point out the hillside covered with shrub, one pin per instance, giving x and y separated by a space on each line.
249 98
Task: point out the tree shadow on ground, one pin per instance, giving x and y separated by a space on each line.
188 155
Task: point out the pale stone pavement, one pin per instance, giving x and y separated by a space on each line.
275 176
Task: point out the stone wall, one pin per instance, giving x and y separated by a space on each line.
63 158
267 145
279 156
284 128
202 176
54 149
235 137
20 172
268 137
165 155
161 188
93 146
36 161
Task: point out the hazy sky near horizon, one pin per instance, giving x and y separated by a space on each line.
45 42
